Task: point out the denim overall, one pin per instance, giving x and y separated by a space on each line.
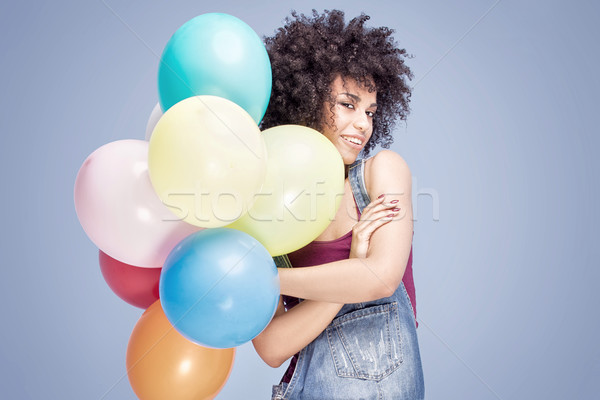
369 351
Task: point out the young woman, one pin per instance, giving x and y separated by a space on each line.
354 334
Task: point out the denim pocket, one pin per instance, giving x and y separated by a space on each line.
366 343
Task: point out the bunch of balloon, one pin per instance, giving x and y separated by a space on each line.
161 210
147 205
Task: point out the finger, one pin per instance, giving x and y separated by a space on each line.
373 226
385 199
379 204
374 203
365 231
378 212
362 228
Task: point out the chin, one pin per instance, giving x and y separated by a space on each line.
349 158
348 155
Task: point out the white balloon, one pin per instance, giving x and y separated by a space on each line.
153 120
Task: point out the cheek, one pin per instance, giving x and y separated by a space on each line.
330 135
328 131
332 128
370 135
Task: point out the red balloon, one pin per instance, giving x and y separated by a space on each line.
137 286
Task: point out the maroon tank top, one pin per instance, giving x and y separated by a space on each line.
326 251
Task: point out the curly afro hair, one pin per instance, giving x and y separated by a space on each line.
307 53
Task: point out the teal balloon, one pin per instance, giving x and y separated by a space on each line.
216 54
219 288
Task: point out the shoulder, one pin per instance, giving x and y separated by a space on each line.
386 170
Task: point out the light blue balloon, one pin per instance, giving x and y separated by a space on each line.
219 288
216 54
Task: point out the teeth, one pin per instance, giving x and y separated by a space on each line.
353 140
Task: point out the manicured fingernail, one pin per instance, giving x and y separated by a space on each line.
394 201
390 215
381 196
395 209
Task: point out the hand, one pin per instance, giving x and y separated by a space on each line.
376 214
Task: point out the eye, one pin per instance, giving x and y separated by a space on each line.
370 113
348 105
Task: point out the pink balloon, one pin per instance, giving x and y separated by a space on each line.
119 209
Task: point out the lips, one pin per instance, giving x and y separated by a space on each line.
353 140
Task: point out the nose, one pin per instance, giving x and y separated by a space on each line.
361 122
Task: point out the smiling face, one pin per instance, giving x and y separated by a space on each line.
352 124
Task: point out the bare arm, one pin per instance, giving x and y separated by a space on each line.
291 331
380 272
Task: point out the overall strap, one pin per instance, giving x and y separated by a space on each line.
356 176
282 261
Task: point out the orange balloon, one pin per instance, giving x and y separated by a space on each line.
162 364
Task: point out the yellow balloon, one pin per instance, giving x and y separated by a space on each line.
207 160
302 190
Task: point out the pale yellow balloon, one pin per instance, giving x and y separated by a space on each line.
302 190
207 160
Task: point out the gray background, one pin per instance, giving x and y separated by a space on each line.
501 143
